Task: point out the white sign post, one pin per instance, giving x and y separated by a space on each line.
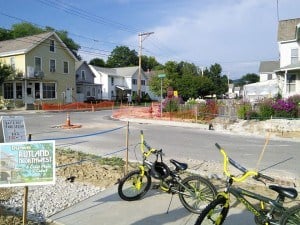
13 128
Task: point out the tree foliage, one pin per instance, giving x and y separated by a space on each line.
186 78
122 56
248 78
149 63
97 62
6 72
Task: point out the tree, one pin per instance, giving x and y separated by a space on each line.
155 85
97 62
149 63
219 82
122 56
5 34
6 72
25 29
250 78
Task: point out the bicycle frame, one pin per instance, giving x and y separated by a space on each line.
240 194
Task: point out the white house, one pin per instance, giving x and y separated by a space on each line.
289 46
267 87
120 83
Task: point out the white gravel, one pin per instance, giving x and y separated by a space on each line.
46 200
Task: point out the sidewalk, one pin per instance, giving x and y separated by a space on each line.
107 208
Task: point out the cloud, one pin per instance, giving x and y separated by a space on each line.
228 31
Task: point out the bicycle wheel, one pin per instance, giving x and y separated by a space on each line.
134 186
196 192
215 213
291 216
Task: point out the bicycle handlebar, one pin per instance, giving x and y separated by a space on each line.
150 149
246 172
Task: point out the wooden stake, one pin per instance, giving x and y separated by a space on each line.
25 201
263 151
127 141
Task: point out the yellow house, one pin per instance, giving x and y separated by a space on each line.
45 71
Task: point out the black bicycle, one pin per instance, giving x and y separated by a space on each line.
267 212
194 191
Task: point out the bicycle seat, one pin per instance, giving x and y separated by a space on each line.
286 192
179 165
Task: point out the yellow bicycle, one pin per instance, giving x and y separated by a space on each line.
194 191
267 212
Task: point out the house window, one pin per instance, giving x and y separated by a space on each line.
13 63
112 81
88 91
19 90
66 67
37 64
49 90
52 46
143 82
270 76
134 81
291 83
294 56
8 91
83 75
52 65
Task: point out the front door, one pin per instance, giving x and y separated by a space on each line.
68 95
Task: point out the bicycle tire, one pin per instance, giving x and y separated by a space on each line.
215 213
196 193
291 216
134 186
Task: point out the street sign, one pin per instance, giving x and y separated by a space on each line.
161 75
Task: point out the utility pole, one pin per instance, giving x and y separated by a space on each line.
142 37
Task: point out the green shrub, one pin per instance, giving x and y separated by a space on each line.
266 111
243 109
172 105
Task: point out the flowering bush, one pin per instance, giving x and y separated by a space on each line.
285 108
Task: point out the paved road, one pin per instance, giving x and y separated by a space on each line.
178 140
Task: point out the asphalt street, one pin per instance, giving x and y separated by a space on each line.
103 136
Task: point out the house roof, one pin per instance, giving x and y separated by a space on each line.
268 66
119 71
287 29
127 71
295 66
25 44
78 64
109 71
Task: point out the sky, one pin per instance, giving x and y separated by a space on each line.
237 34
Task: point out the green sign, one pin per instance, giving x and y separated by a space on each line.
27 163
162 75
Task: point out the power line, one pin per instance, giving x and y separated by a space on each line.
68 8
